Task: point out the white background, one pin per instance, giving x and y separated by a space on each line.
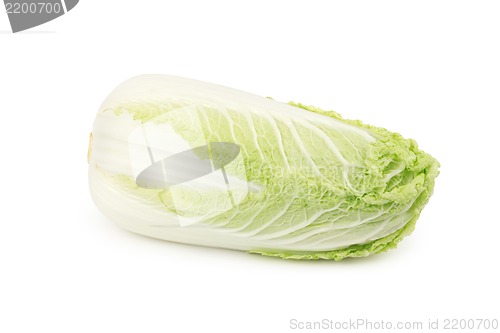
427 69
